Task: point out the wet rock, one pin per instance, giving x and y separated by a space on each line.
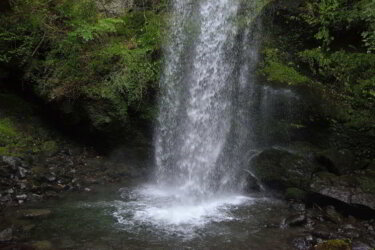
332 215
295 194
303 243
299 207
35 197
50 178
296 220
6 235
22 172
323 231
42 245
5 198
334 245
350 189
252 184
12 161
337 161
280 169
21 197
348 227
352 233
51 194
34 213
357 245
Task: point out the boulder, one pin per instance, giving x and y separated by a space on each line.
252 184
356 189
281 169
337 161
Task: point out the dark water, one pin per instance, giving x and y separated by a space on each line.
91 221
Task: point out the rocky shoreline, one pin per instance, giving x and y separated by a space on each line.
27 181
70 169
330 193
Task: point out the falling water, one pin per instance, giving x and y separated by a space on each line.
203 100
205 133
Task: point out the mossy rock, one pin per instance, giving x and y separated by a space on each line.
337 161
295 194
281 169
50 148
338 244
39 172
8 133
354 189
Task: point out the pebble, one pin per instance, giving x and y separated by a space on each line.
51 178
21 197
6 235
22 172
35 213
348 226
296 220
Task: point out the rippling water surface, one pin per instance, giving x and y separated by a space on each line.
146 217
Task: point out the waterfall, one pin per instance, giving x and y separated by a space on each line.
206 88
205 133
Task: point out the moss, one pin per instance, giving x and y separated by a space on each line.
338 244
39 170
50 147
295 194
277 71
42 245
20 132
8 133
367 183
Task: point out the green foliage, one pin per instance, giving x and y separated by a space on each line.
277 71
20 132
368 15
353 73
7 131
327 45
323 14
71 50
90 32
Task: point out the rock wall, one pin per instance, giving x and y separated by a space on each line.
115 7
